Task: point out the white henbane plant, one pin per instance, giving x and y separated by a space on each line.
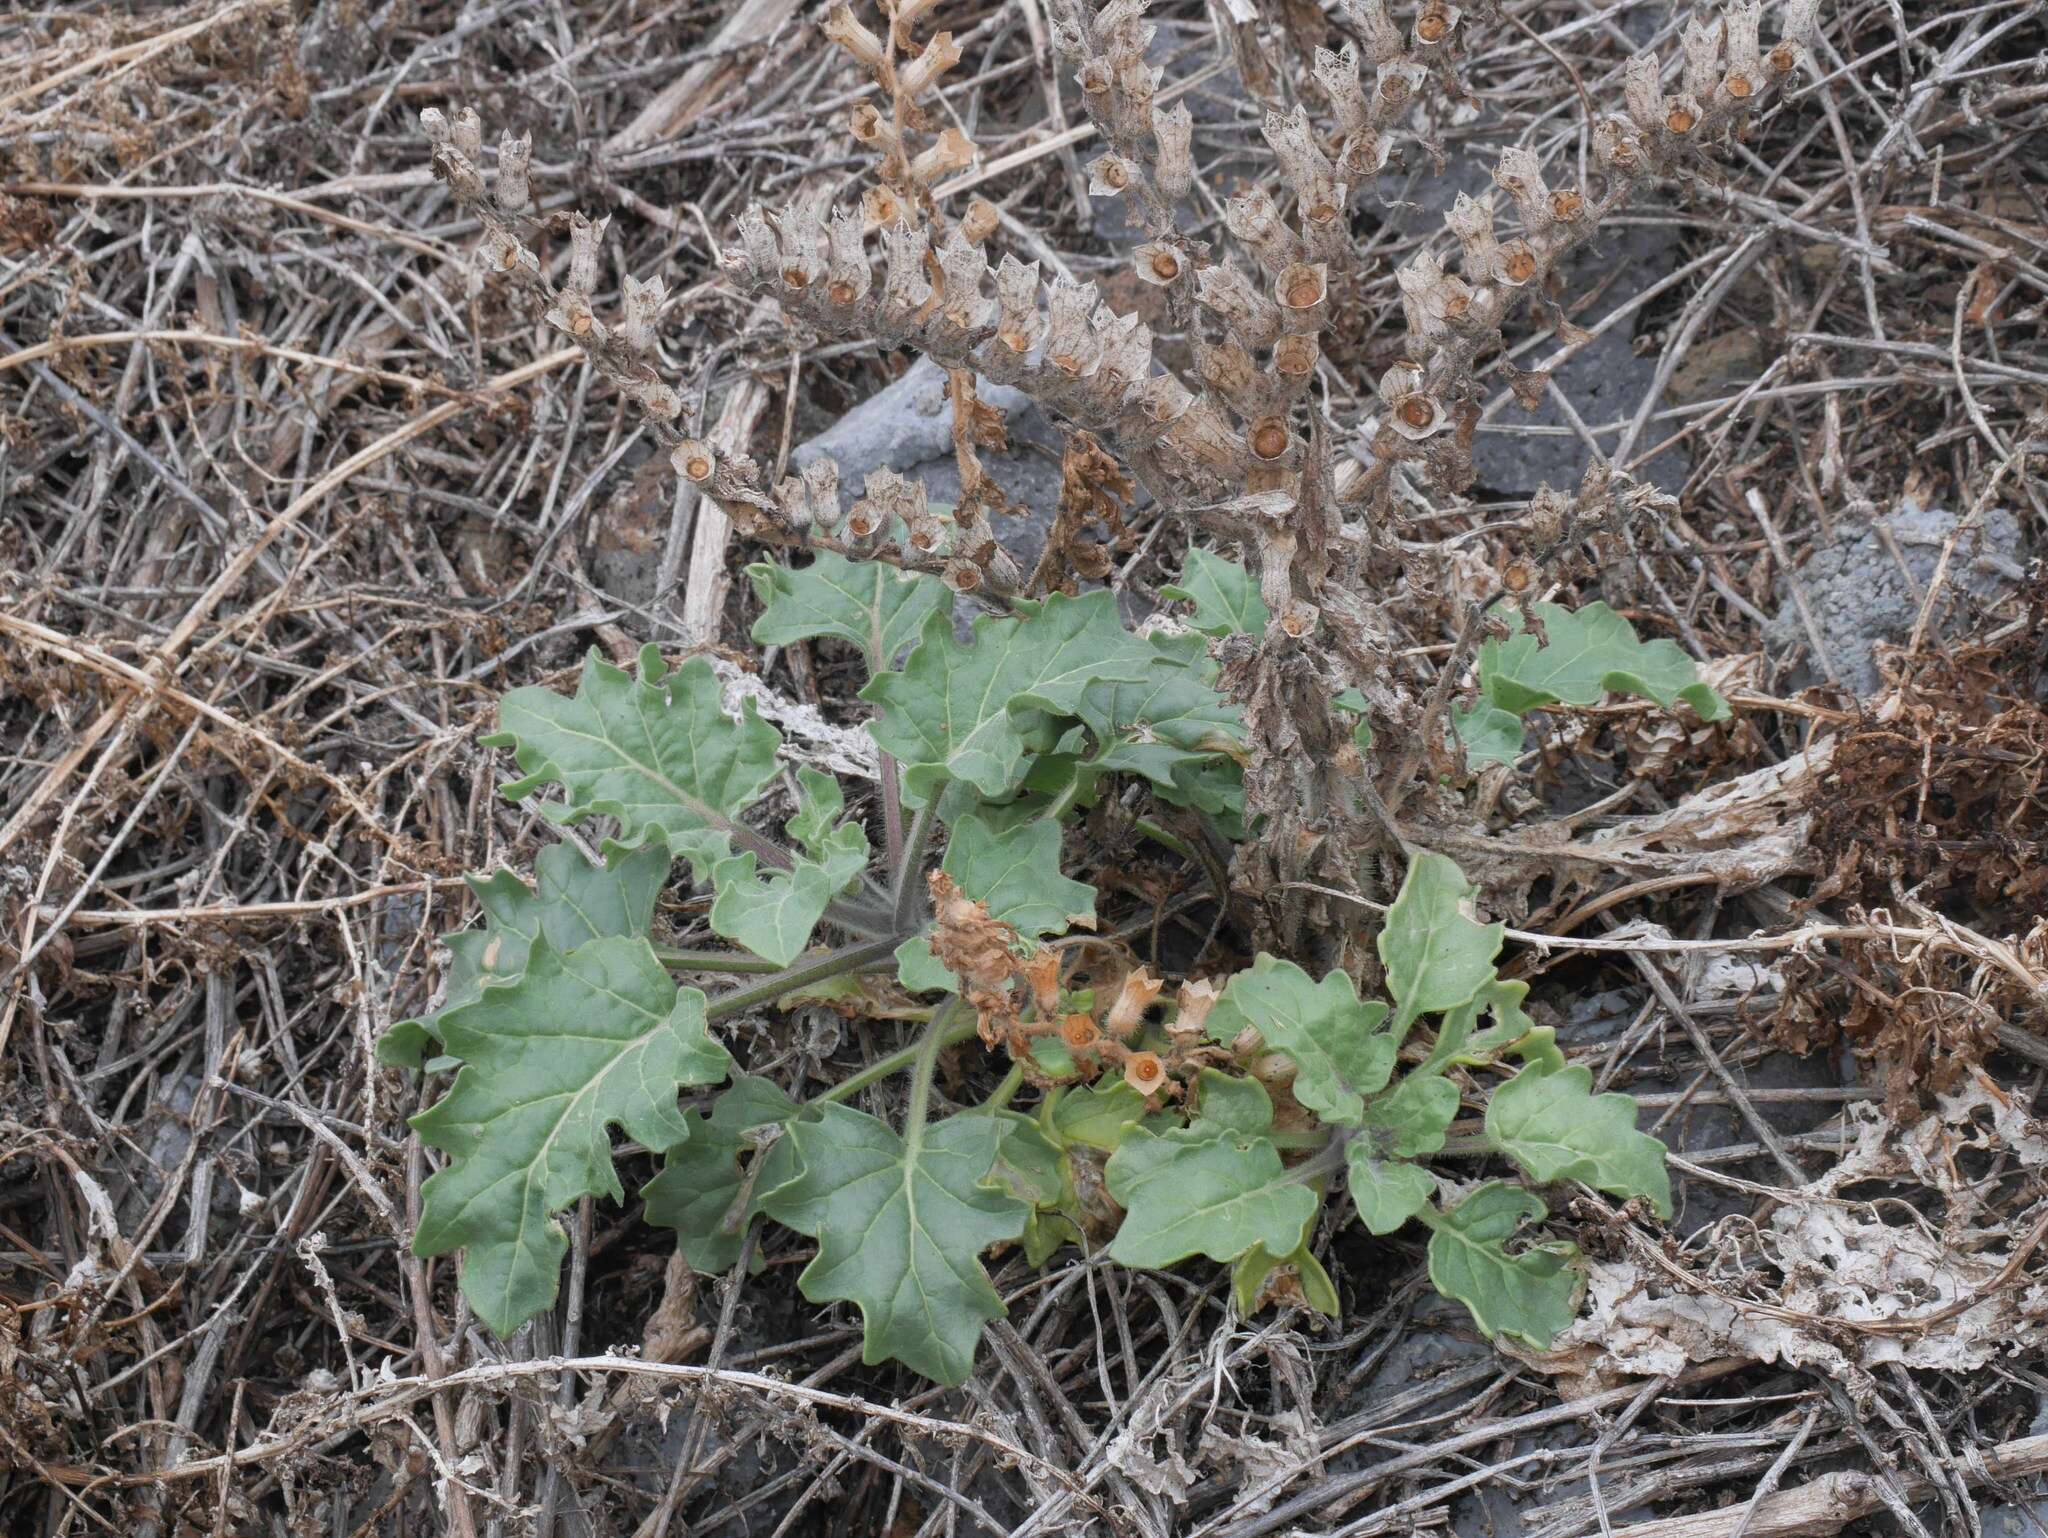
1217 1124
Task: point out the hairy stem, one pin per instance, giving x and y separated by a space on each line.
869 955
921 1069
907 896
712 961
1006 1091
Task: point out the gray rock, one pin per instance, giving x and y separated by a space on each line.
908 428
1605 380
1859 596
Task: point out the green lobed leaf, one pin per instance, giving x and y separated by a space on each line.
702 1179
1168 726
582 1041
658 752
1211 1189
1410 1119
1225 595
1556 1128
1015 869
1528 1294
1340 1053
1097 1115
877 607
959 712
1588 652
1226 1102
774 916
1490 735
575 901
1436 958
900 1228
1388 1193
1033 1166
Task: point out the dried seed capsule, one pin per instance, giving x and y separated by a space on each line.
1173 164
695 461
1370 20
922 72
586 241
515 161
1615 148
1125 344
1070 344
1515 263
1256 223
1228 293
847 30
804 242
1520 175
847 277
1018 326
1302 162
434 124
961 575
1294 359
1411 412
869 125
1303 290
657 398
952 152
641 305
467 136
1337 73
1683 115
1471 220
1702 49
1109 174
1435 22
963 267
980 221
760 251
1156 263
1739 35
1269 439
1642 88
905 291
1399 82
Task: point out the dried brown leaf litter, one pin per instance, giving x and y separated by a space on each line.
316 436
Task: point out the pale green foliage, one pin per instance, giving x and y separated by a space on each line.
582 1041
1388 1192
774 917
1556 1128
1216 1188
1339 1050
658 752
1436 955
1225 596
566 1023
702 1180
898 1224
959 712
1586 653
875 607
1490 735
575 901
1526 1293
